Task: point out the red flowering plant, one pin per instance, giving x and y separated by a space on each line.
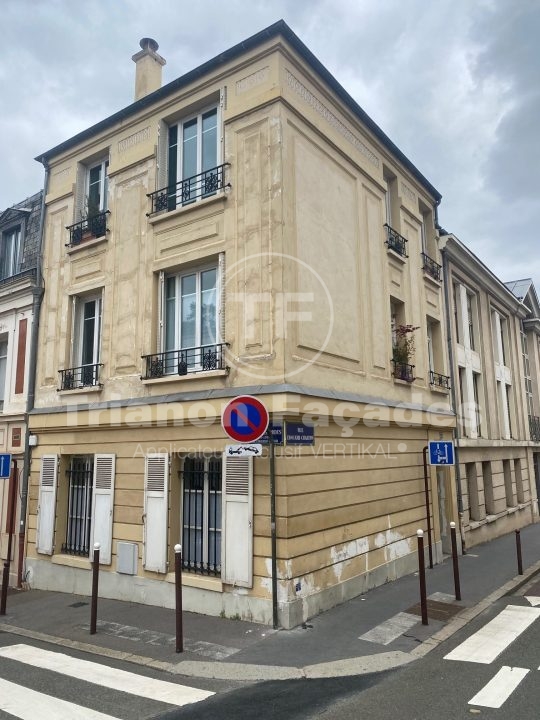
403 350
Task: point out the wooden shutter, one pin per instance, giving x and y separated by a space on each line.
102 506
156 479
162 155
47 504
237 540
221 297
80 192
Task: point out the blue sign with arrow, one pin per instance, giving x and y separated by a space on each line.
441 452
5 465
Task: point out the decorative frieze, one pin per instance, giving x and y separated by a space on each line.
135 139
330 118
409 194
251 81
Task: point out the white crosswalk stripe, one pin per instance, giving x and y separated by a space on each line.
500 687
105 676
27 704
492 639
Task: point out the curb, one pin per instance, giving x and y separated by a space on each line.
361 665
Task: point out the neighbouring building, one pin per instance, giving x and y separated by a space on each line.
244 229
492 331
19 257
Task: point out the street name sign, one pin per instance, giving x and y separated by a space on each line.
299 434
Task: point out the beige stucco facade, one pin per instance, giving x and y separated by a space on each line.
309 289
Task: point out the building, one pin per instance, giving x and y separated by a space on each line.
491 330
19 257
244 229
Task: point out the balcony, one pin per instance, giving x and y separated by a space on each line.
432 268
403 371
396 242
81 377
187 191
437 380
534 428
186 361
88 229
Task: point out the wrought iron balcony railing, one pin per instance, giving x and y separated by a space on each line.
431 267
403 371
438 380
395 241
21 275
87 229
188 190
534 427
80 377
185 361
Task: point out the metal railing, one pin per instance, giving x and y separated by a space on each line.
403 371
534 427
439 380
188 190
30 273
80 377
431 267
185 361
87 229
396 242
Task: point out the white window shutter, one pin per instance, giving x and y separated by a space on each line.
156 505
102 506
237 538
47 504
162 155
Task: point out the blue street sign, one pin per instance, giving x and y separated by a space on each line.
5 465
277 435
441 452
299 434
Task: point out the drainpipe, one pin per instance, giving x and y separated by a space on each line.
453 396
37 293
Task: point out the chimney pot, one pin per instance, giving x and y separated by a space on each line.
149 44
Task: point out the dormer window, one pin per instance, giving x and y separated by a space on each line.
10 253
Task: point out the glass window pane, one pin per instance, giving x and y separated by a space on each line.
94 190
209 140
170 314
189 312
208 307
88 332
189 149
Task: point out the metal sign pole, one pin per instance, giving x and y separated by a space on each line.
273 529
428 514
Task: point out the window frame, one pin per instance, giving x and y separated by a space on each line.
79 302
15 258
87 521
4 340
103 164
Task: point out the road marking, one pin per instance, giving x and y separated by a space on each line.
106 676
533 600
442 597
391 629
21 702
499 689
489 642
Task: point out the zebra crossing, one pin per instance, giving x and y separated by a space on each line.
53 669
488 643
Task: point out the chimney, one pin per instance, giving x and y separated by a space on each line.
148 68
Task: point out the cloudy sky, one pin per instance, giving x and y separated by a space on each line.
454 83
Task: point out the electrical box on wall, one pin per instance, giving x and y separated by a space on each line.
126 558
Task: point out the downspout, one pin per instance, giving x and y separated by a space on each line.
456 431
37 293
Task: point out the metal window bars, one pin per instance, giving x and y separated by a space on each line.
432 268
80 377
439 380
91 227
403 371
185 361
79 513
396 242
188 190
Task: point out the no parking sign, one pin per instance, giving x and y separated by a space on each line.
245 419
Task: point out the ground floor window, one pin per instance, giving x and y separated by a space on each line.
79 513
201 514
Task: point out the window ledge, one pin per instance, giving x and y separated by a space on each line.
83 245
522 506
439 390
474 524
205 374
72 561
431 279
82 390
203 582
220 198
406 383
396 256
511 510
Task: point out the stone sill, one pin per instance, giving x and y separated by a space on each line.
72 561
396 256
213 584
398 381
439 390
205 374
81 391
474 524
431 279
197 205
86 244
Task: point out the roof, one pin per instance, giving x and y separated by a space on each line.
519 288
278 28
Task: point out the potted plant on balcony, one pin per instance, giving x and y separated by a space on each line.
403 352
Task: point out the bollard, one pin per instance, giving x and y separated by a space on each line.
457 587
518 548
95 576
422 575
178 583
5 583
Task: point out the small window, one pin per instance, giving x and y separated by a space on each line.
488 488
202 514
508 488
79 514
97 188
3 367
519 481
10 253
86 344
472 490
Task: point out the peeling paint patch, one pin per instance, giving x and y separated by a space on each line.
346 552
394 544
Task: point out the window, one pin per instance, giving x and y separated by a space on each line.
508 408
430 346
471 303
193 158
201 514
80 478
456 297
86 344
472 491
477 408
508 489
3 367
97 188
191 321
488 488
10 253
519 481
527 371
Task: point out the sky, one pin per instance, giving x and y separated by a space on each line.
454 83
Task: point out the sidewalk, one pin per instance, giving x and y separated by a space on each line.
328 645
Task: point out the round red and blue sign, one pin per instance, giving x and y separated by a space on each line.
245 419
